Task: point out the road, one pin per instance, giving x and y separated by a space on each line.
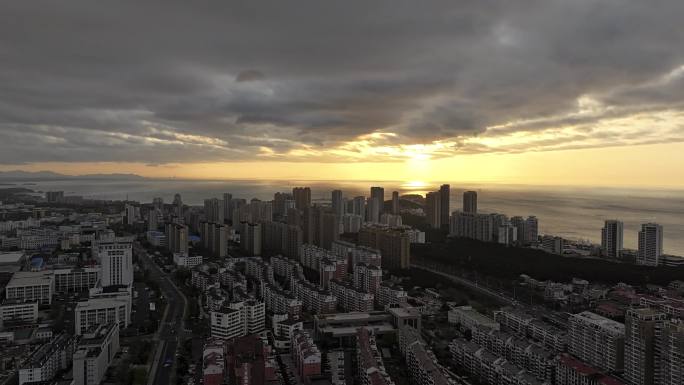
171 328
435 269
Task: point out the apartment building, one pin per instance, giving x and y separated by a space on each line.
350 299
47 360
422 364
306 355
238 319
371 369
367 277
94 353
389 294
598 340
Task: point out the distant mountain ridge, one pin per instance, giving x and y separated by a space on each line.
49 175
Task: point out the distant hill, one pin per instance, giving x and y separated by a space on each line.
49 175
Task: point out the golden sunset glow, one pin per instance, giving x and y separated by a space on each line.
657 165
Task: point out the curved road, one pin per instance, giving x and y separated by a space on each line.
435 269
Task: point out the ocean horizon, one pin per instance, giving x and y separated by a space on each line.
575 213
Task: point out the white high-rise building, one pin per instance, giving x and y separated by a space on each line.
612 238
650 244
116 257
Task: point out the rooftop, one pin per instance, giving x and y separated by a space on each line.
600 321
27 278
11 258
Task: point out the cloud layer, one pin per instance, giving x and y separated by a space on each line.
177 81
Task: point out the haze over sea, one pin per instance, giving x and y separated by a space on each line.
572 212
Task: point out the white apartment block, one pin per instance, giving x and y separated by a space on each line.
94 312
286 268
280 302
116 257
31 286
598 340
285 329
356 254
488 368
227 323
47 360
534 358
77 279
238 319
13 310
367 277
520 322
391 295
351 299
183 260
311 256
314 299
94 353
650 244
468 318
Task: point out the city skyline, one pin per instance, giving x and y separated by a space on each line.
342 193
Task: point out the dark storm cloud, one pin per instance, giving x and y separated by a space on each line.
177 81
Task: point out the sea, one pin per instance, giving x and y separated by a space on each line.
575 213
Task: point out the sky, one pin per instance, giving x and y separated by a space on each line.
586 92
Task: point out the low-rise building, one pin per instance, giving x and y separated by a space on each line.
31 286
389 294
15 310
93 312
76 280
183 260
467 318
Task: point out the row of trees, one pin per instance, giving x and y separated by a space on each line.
508 263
